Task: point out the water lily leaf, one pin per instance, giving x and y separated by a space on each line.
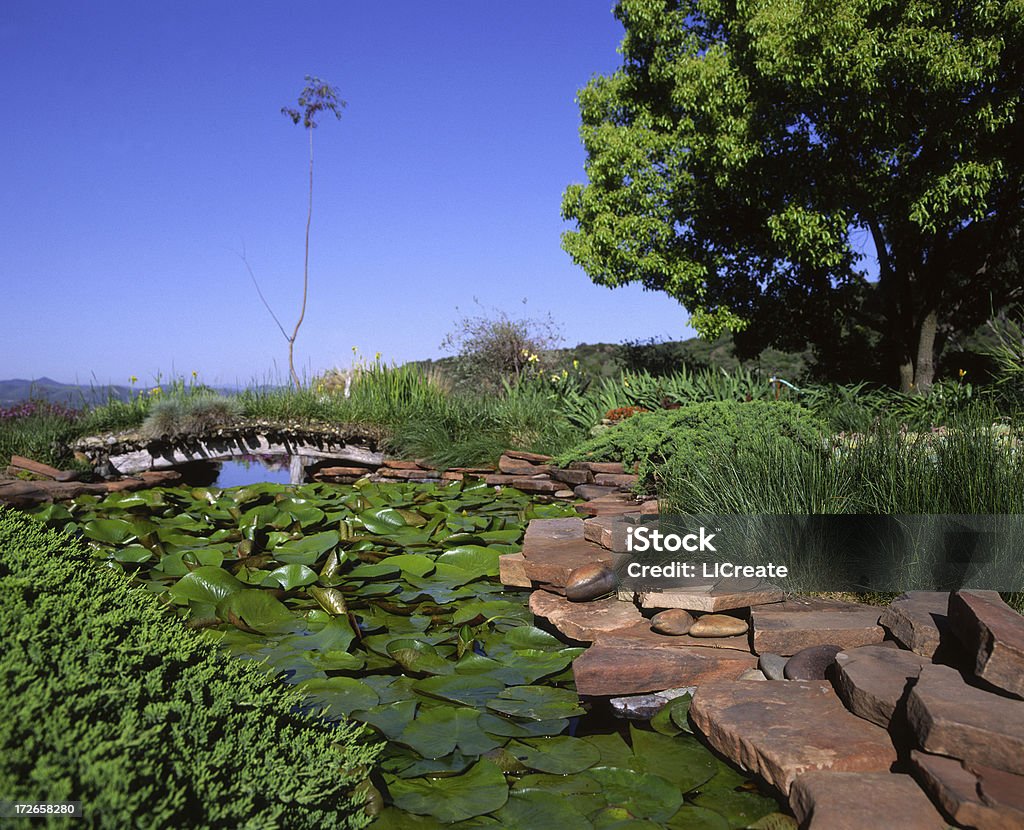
341 695
491 610
536 703
417 656
679 711
330 599
530 809
133 554
528 636
739 807
618 818
774 821
52 513
206 584
508 536
255 610
470 690
615 752
334 660
560 756
366 571
289 577
479 790
382 521
391 689
680 761
473 558
644 795
531 665
438 730
415 564
564 784
308 549
110 531
506 727
662 722
391 818
407 764
390 719
691 817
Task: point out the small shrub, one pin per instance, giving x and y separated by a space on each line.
111 702
189 416
692 434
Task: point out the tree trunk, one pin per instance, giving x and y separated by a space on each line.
918 375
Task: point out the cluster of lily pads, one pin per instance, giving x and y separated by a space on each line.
381 601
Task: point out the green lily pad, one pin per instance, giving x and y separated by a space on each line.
469 690
560 756
679 711
390 719
110 531
439 730
473 558
508 728
532 809
420 657
618 818
206 584
341 695
134 554
682 761
308 549
536 702
414 564
691 817
480 790
289 577
644 795
382 521
255 609
563 784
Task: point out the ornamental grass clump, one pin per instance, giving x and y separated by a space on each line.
110 701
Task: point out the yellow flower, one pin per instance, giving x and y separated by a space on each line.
133 380
963 372
575 364
195 374
155 390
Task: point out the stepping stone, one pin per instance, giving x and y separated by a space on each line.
589 492
512 570
783 728
521 467
811 663
788 631
872 681
951 718
718 625
975 796
610 669
612 505
708 597
752 674
572 477
994 632
523 455
640 635
918 620
535 485
550 529
553 560
856 800
623 481
603 467
610 532
583 621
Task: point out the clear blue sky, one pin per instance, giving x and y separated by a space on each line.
143 147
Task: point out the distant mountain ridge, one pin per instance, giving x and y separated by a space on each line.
75 395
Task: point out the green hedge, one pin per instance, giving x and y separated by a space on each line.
108 701
691 434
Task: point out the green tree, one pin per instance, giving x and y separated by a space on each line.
747 157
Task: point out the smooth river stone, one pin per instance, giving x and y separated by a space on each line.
674 622
811 663
590 582
773 666
718 625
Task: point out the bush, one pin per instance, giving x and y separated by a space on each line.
194 415
693 434
111 702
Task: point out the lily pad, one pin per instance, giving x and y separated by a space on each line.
289 577
469 690
560 756
536 703
644 795
480 790
532 809
682 761
473 558
256 610
206 584
341 695
439 730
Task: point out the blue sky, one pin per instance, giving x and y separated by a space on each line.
143 149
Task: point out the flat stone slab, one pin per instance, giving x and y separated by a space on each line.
994 632
552 560
917 619
872 680
607 531
856 800
972 796
709 597
583 621
617 670
512 570
553 529
952 718
781 631
781 729
614 504
640 635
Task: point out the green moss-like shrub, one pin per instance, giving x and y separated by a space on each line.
109 701
693 434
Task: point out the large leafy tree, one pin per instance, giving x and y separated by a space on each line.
841 172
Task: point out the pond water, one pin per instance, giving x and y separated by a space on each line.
254 469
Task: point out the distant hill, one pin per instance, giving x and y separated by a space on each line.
70 394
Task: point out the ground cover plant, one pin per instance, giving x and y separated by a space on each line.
380 602
110 702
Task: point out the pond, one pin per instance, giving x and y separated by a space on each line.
381 602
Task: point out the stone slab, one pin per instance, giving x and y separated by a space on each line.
786 632
625 670
607 531
613 505
552 561
781 729
602 467
568 528
949 717
825 800
640 635
624 481
993 632
583 621
979 797
512 570
521 467
709 598
573 478
872 680
589 492
917 619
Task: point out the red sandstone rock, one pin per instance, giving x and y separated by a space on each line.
979 796
512 570
37 467
642 636
583 621
596 467
781 729
522 455
572 477
992 631
553 560
827 800
872 680
395 464
553 529
606 669
951 718
917 619
709 598
781 631
607 531
610 505
624 481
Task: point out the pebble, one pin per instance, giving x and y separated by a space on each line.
718 625
811 663
674 622
773 666
752 674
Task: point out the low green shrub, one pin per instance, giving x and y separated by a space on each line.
189 416
692 435
111 702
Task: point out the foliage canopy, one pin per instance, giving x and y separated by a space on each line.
751 159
